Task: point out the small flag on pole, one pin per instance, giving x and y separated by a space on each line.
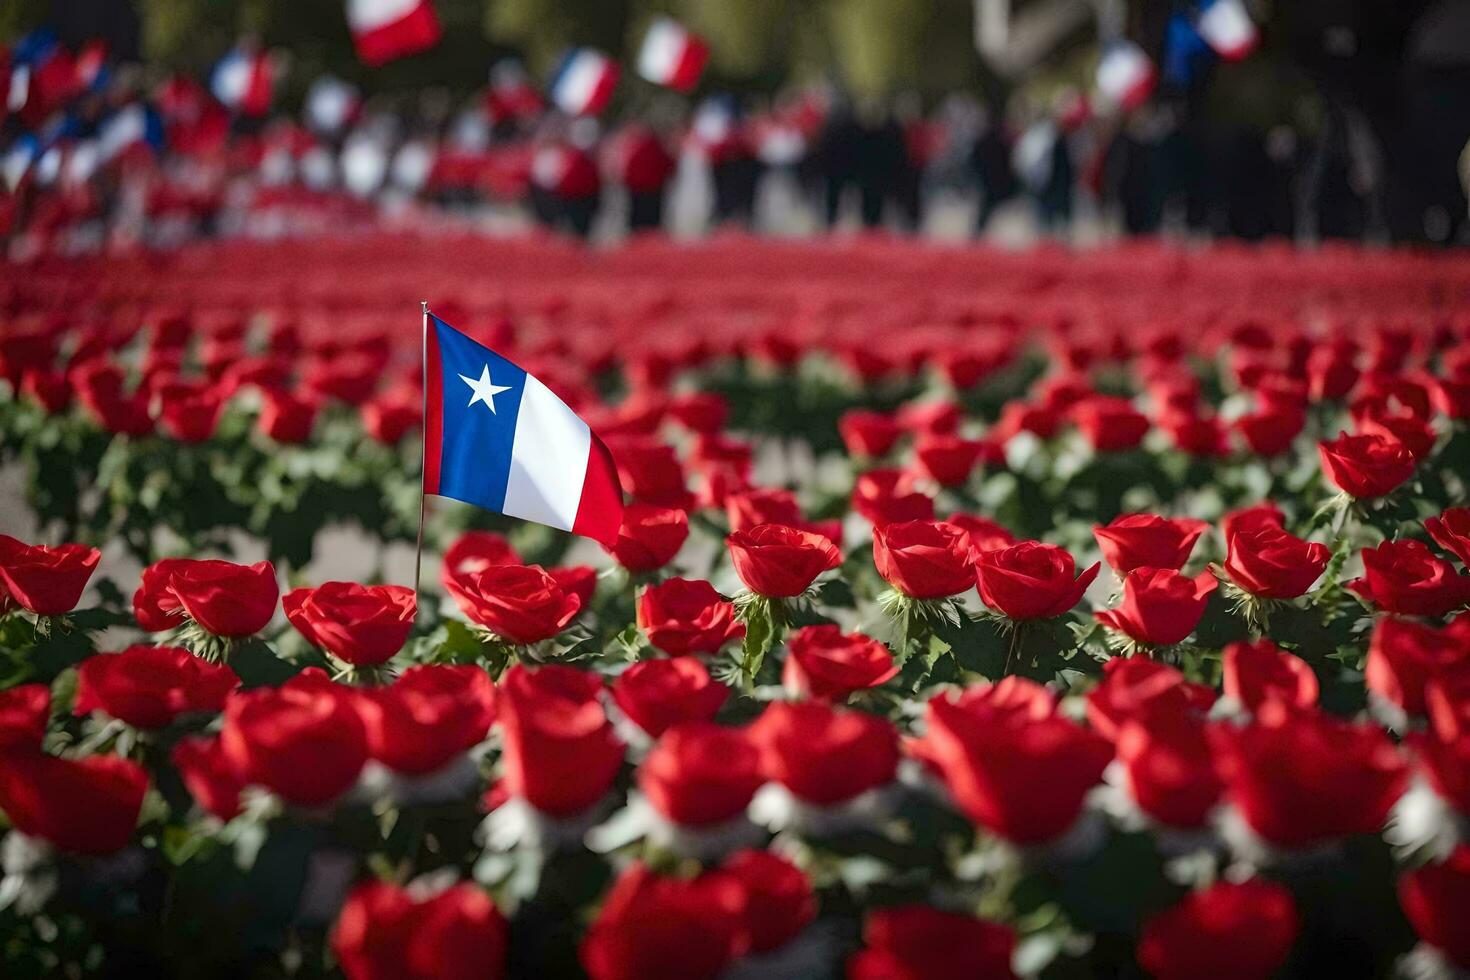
385 30
1125 75
671 56
243 80
496 437
1227 28
584 82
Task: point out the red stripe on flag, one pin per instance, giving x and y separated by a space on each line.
416 31
433 410
690 65
600 511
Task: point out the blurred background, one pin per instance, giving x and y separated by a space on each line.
158 121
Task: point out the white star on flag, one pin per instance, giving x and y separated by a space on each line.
484 389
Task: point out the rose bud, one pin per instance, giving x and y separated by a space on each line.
287 417
47 388
1160 607
148 687
1168 769
1251 518
683 616
359 624
83 806
780 900
1436 900
824 663
209 776
385 932
1302 778
914 941
24 712
650 471
649 537
189 411
1331 373
1042 421
1406 577
1261 671
868 435
753 506
427 716
1271 431
930 418
1451 531
1243 930
44 580
1403 657
303 741
885 496
985 534
989 753
475 551
700 774
781 562
651 921
1031 580
519 603
657 694
1110 424
1205 436
924 559
1135 687
949 460
825 755
99 387
560 755
1148 541
222 597
1274 564
1366 465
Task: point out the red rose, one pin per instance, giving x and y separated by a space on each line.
361 624
823 662
576 580
885 496
1403 657
915 942
1197 435
1243 931
924 559
656 694
1406 577
699 774
85 806
1331 373
1447 766
989 753
47 388
1260 671
1168 768
825 755
781 562
702 412
780 901
1160 606
1300 778
189 411
985 534
1110 424
385 932
1031 580
519 603
1251 518
650 471
1136 687
1436 900
209 775
1447 702
560 754
24 711
868 434
287 417
751 507
649 537
948 460
654 926
224 598
1042 421
99 388
1366 465
1451 531
304 741
682 616
390 417
1147 540
46 581
1273 563
426 717
475 551
148 687
930 418
1451 397
1417 435
1271 431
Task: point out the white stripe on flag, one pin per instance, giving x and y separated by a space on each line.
365 15
548 460
580 81
661 50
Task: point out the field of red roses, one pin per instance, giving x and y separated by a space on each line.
975 614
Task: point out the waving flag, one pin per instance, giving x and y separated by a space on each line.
496 437
672 56
384 30
1227 28
584 82
242 81
1125 75
132 125
44 76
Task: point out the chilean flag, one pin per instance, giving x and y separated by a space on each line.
584 82
242 81
383 30
1125 75
496 437
671 56
1228 29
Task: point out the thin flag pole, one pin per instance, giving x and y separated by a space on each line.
418 552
